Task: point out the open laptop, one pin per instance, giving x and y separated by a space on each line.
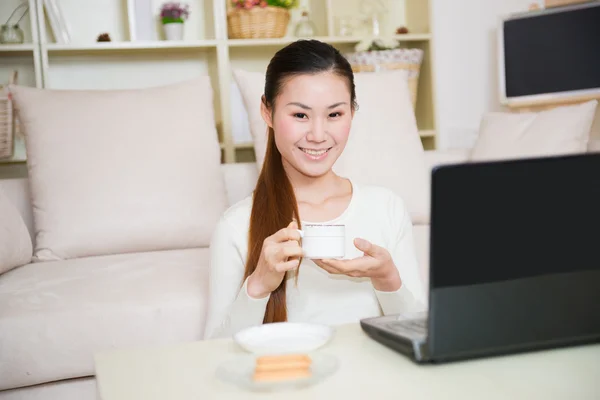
514 261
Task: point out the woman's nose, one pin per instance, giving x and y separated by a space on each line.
317 132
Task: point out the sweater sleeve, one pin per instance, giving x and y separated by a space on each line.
410 297
230 308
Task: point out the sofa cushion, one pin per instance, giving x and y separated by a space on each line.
240 179
118 171
384 147
15 242
561 130
54 316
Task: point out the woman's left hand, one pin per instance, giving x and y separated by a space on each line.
376 263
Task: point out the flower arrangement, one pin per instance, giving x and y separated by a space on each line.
173 12
376 44
173 15
249 4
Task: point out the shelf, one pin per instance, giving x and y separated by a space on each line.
198 44
426 133
194 44
17 48
327 39
126 46
18 160
243 145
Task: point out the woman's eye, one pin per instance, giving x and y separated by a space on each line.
300 115
335 114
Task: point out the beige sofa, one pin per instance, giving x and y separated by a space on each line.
55 315
143 190
53 320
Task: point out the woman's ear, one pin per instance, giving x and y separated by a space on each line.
265 112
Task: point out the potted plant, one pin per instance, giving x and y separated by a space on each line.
253 19
173 16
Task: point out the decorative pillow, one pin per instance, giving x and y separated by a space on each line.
558 131
384 147
117 171
15 242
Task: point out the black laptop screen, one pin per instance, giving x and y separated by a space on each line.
509 220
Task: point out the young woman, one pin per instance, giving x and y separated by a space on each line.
257 272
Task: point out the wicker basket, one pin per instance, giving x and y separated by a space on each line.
257 23
373 61
7 120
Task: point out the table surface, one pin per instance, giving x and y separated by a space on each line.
367 369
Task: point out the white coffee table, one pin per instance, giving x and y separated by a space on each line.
367 370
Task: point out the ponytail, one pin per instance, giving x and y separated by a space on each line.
273 207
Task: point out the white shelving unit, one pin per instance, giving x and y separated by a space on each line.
126 62
24 58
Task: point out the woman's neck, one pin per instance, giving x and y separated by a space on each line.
314 189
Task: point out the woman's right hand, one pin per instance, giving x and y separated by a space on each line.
280 253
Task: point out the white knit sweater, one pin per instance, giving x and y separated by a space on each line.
374 213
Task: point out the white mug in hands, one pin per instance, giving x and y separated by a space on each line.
323 241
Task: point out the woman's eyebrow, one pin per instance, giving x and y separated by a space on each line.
304 106
299 105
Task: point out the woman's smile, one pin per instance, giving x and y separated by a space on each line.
315 154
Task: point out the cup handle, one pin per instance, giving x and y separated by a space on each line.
300 232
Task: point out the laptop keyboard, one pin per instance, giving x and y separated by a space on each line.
409 327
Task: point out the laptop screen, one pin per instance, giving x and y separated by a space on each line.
507 220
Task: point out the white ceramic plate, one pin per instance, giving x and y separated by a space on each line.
239 371
283 337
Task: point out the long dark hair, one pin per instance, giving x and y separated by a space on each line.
274 203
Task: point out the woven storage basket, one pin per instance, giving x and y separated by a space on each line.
257 23
7 120
373 61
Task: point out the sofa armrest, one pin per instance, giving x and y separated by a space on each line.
16 248
17 191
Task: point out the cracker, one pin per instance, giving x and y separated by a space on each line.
282 358
282 375
282 367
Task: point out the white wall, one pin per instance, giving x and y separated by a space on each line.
465 64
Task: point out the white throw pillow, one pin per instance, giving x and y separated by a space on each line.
15 242
558 131
120 171
384 147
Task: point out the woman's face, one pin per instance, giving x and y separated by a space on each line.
312 120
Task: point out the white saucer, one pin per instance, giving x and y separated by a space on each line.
283 337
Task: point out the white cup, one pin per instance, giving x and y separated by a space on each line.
323 241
